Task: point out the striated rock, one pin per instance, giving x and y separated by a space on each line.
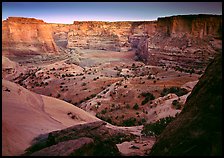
100 35
198 128
26 36
23 20
185 40
192 25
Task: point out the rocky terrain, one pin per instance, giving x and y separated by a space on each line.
100 84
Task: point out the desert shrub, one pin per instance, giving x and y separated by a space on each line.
129 122
133 65
104 111
155 129
83 84
127 106
177 90
125 86
104 118
148 96
143 120
145 101
99 96
176 104
92 95
136 107
200 72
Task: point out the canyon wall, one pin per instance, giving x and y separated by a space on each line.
26 36
185 41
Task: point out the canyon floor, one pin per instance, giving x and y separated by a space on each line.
109 85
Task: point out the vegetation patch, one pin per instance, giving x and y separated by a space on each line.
176 104
155 129
129 122
148 96
177 90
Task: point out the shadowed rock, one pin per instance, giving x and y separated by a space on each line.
82 140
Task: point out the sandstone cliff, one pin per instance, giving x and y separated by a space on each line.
197 129
22 36
188 41
185 41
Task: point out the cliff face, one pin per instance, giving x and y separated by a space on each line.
198 128
22 36
100 35
186 40
198 26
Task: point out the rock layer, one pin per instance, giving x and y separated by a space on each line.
26 36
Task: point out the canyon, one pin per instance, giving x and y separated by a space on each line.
101 84
184 41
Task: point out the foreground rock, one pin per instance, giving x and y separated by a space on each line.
197 130
25 115
82 140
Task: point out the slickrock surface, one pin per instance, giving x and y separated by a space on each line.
25 115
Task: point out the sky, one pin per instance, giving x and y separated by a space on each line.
67 12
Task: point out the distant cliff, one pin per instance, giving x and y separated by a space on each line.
198 128
22 36
185 40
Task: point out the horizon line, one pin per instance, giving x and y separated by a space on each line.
145 20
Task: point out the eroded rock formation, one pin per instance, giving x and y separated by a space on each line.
24 36
186 40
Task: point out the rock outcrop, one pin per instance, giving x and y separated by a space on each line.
198 128
26 36
90 139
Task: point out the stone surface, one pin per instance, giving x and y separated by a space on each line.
99 140
66 148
